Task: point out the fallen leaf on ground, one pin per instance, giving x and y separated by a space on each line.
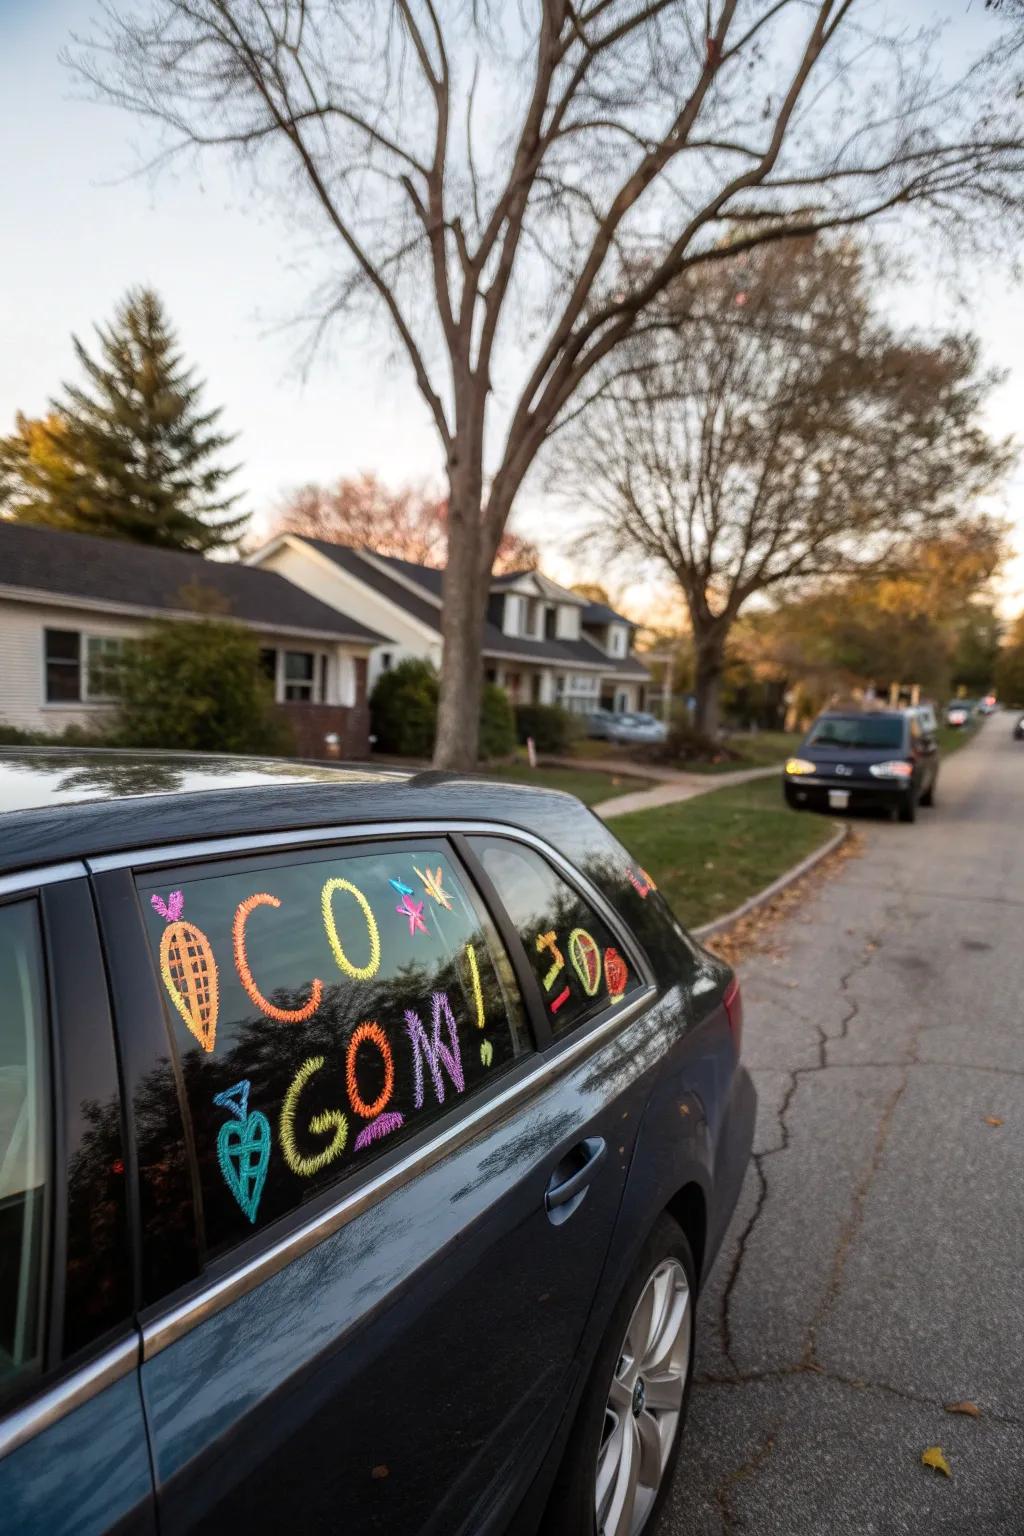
933 1457
993 1120
965 1407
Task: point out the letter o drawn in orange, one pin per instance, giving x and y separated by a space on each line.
245 976
368 1031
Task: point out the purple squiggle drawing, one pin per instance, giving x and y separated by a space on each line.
377 1129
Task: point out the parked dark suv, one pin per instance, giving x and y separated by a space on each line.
859 759
364 1140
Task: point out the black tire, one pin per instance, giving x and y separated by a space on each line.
570 1510
928 798
908 808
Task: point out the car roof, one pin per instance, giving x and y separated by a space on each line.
866 714
130 800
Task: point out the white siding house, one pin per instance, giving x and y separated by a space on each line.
542 643
68 602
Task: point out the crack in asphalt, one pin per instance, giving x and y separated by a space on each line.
871 948
820 1372
752 1465
852 1224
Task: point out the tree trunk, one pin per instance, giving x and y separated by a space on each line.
464 594
709 657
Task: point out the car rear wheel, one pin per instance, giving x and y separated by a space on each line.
624 1445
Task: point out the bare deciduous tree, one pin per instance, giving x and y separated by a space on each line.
513 187
777 432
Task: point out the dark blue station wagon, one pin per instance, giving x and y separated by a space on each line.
364 1141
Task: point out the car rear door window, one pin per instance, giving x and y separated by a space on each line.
24 1144
323 1006
576 958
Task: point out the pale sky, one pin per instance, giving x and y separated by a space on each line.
78 228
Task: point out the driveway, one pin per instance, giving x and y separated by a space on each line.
874 1271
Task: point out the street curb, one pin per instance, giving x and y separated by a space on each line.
803 868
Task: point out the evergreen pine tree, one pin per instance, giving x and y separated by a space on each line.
130 454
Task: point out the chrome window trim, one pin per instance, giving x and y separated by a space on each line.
175 1322
46 874
32 1418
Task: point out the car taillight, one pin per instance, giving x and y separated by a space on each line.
733 1003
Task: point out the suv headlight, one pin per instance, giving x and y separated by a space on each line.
894 770
800 765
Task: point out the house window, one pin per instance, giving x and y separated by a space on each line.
550 623
386 659
617 640
299 676
323 677
63 666
513 614
103 655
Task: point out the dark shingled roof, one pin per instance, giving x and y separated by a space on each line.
362 564
600 613
112 571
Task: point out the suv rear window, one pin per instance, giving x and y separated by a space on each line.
323 1006
857 731
578 961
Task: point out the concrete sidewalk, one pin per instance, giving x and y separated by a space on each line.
676 786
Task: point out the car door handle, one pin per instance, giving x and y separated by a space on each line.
563 1195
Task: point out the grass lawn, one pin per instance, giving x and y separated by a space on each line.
589 784
709 854
761 751
951 737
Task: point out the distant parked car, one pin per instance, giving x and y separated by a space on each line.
959 712
988 705
849 760
639 728
1018 730
600 724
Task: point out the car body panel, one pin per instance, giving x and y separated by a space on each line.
368 1389
87 1474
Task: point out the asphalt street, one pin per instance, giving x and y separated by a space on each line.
874 1270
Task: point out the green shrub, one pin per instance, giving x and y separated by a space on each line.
12 736
403 709
497 723
197 687
553 729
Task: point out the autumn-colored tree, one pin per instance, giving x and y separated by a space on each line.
410 523
903 625
774 431
1009 672
487 178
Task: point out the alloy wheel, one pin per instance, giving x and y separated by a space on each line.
644 1403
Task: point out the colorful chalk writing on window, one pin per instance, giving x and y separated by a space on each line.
315 1024
575 956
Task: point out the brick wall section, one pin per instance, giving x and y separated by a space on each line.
310 723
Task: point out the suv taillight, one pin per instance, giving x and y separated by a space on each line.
733 1002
